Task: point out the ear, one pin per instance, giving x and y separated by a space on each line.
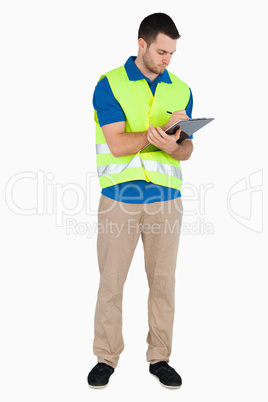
142 44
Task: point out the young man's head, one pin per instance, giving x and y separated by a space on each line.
157 39
155 24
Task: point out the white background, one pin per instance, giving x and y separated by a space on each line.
53 53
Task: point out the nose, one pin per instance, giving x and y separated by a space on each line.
166 59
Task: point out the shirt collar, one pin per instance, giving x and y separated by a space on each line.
134 74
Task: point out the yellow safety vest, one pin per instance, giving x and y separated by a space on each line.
141 109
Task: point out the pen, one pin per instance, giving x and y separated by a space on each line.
169 112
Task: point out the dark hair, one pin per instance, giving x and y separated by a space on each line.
157 23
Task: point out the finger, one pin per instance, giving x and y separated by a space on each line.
152 139
151 134
162 132
181 114
161 136
177 135
152 131
157 133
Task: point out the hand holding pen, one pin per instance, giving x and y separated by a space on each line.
176 116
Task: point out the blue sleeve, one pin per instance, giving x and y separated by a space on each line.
189 108
107 107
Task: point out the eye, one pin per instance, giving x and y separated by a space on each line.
161 53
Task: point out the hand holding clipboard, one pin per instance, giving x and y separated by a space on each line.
187 127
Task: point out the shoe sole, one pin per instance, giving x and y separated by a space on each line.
98 386
167 386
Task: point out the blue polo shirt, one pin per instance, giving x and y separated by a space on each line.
109 111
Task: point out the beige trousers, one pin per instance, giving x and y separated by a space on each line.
120 226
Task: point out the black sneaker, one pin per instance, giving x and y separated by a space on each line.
166 374
99 375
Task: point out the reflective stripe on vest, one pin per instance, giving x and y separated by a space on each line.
118 168
148 165
164 168
141 108
102 149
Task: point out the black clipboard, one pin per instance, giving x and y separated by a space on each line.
188 127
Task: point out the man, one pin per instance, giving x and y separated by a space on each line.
140 193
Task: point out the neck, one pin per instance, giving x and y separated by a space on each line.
143 69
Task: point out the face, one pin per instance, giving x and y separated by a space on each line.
157 56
